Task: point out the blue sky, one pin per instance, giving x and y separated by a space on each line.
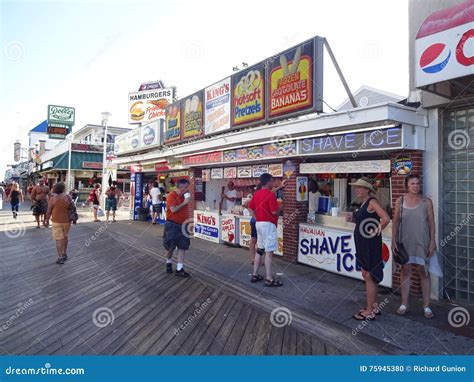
90 54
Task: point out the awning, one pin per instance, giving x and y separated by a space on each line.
77 161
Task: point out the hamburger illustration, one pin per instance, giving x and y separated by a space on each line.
136 111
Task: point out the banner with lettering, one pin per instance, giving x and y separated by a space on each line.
173 123
217 107
207 225
334 251
248 95
192 115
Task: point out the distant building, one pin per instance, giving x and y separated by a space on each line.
366 96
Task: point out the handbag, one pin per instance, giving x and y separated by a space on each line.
401 256
73 215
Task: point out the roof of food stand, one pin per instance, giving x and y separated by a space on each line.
361 117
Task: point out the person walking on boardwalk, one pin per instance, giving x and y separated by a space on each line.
175 233
155 195
264 207
39 198
15 197
94 197
370 221
59 208
112 194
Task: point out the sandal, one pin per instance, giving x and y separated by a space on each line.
377 311
402 309
428 313
273 283
60 260
361 317
256 278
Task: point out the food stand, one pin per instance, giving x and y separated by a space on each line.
326 240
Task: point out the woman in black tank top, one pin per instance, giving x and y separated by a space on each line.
370 220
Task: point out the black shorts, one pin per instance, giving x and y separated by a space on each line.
174 236
157 207
253 228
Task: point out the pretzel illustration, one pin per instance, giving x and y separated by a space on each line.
294 64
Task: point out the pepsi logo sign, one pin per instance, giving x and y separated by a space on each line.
435 58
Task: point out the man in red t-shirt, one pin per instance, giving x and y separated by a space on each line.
176 233
264 208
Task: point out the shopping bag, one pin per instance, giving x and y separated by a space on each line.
100 212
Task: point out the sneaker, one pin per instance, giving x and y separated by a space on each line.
65 257
182 273
169 268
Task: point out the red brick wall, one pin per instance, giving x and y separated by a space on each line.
193 174
398 188
293 213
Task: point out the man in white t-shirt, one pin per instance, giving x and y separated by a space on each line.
155 195
230 195
313 196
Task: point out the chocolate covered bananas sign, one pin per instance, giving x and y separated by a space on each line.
248 96
149 105
295 80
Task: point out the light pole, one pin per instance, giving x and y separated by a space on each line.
105 119
70 138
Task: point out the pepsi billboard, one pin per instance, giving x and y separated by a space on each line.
445 46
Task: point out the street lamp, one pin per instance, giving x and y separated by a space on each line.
69 138
105 119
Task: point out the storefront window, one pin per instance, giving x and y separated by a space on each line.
457 239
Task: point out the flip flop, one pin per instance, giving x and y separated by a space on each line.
402 309
428 313
360 317
377 312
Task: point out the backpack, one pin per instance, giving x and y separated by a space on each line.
91 196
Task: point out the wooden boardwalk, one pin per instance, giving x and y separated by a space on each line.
111 298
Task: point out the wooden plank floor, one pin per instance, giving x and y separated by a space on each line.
110 298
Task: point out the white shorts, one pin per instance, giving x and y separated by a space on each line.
267 236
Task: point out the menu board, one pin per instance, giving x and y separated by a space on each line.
255 153
275 170
244 172
230 172
248 95
229 156
241 154
192 115
259 170
217 107
173 123
279 149
217 173
290 81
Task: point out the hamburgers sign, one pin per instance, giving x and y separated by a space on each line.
149 105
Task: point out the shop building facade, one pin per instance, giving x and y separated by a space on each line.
441 55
